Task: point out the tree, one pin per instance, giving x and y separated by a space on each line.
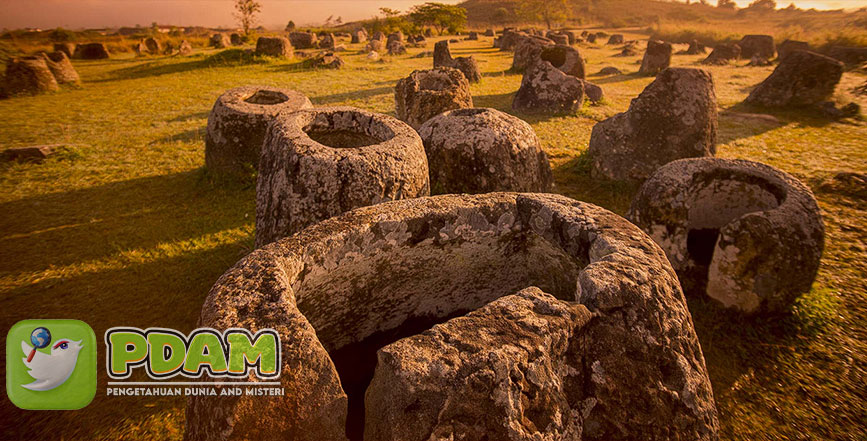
439 15
245 13
548 11
290 26
726 4
763 5
393 21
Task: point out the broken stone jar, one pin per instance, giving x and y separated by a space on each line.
745 234
603 348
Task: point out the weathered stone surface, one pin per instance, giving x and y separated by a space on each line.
484 150
373 56
789 46
560 39
237 125
36 153
236 39
510 39
358 36
615 39
674 117
375 46
593 92
723 54
66 48
396 47
61 67
508 370
609 70
378 35
850 56
546 89
627 51
759 61
802 78
319 163
91 51
845 183
169 48
28 76
396 36
527 52
397 268
326 60
154 47
274 47
219 41
695 48
565 58
761 45
427 93
473 36
303 40
327 41
490 33
830 110
442 57
743 233
591 38
140 49
185 48
656 58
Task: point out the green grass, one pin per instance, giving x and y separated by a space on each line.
127 228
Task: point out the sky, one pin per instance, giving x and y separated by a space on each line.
76 14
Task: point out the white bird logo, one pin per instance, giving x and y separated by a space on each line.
52 370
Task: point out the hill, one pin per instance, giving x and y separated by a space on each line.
679 22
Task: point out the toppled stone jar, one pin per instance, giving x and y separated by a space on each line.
548 90
321 162
237 125
743 233
630 367
674 117
427 93
803 78
484 150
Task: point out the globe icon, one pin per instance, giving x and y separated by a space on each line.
40 337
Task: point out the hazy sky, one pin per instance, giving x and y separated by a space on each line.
275 13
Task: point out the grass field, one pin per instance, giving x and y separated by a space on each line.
125 227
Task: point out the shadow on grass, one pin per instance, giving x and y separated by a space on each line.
164 66
189 117
751 120
599 80
79 227
355 95
572 178
192 135
499 101
734 344
166 292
